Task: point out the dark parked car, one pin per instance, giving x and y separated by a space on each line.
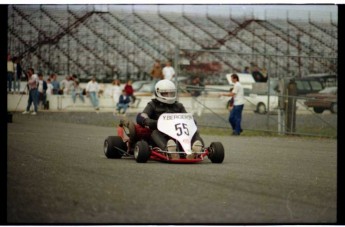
314 83
308 85
326 99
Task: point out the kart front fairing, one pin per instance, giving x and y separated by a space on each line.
179 126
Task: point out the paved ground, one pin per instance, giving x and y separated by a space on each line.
57 173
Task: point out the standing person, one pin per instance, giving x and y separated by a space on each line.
49 92
10 72
165 102
116 91
92 91
33 96
195 91
130 91
156 72
235 116
123 103
18 74
168 71
42 90
55 84
49 88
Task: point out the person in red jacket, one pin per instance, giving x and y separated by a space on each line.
129 91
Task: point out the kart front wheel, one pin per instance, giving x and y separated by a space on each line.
142 151
114 147
216 152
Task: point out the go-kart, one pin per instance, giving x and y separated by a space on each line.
180 127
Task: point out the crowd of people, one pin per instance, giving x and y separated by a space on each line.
40 90
70 85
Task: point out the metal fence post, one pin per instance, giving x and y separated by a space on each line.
291 107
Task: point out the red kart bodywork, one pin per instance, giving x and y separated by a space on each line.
142 133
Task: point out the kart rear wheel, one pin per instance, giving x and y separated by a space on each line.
142 151
216 154
114 147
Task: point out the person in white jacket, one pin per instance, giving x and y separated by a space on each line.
168 71
92 89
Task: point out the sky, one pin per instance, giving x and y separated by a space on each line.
294 9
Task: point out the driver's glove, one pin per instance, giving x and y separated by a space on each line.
152 124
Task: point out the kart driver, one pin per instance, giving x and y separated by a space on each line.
165 102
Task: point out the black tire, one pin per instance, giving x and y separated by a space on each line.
142 151
216 152
318 110
334 108
261 108
114 147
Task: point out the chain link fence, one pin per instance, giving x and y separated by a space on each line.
276 97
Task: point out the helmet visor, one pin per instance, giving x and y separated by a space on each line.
168 94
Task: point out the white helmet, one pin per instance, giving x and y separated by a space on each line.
165 91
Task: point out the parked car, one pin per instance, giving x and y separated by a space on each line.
327 79
260 101
259 93
326 99
308 85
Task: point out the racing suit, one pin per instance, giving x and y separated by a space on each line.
149 117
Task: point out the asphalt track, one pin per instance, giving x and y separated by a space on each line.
57 173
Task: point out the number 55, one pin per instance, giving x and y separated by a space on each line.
182 129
